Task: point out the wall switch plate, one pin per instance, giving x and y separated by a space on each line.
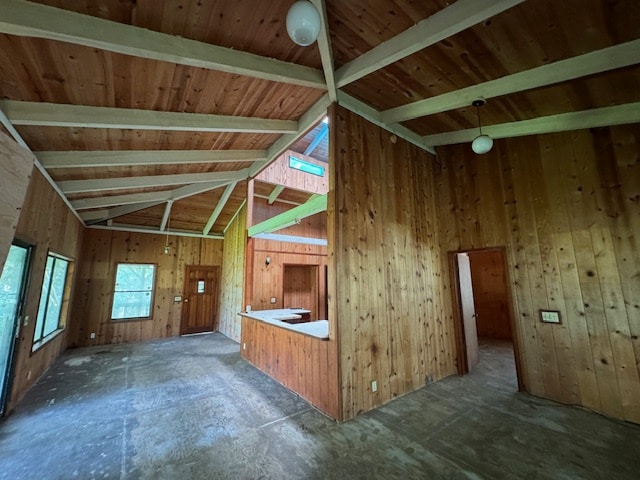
550 316
177 298
273 300
244 346
93 335
374 386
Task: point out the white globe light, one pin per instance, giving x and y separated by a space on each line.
482 144
303 23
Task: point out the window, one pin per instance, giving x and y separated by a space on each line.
133 293
306 167
53 299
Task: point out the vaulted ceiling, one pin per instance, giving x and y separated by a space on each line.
149 114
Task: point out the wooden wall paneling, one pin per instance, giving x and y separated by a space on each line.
233 262
279 173
16 165
298 361
102 250
47 223
388 331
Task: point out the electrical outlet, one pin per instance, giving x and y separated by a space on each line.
273 300
93 335
29 375
26 320
244 346
374 386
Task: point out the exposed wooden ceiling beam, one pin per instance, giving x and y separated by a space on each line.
279 200
317 140
4 120
61 115
443 24
610 58
159 197
42 21
599 117
91 219
310 118
165 216
219 207
234 216
155 231
118 158
316 204
275 194
103 184
373 116
326 53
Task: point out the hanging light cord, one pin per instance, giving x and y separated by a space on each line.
479 121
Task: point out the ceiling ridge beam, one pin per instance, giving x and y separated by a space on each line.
218 210
116 158
42 21
103 184
606 59
307 121
373 115
64 115
443 24
598 117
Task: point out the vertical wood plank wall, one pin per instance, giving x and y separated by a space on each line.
231 294
102 250
567 207
392 306
16 164
302 363
47 223
491 294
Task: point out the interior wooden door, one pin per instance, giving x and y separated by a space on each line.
468 310
200 302
301 288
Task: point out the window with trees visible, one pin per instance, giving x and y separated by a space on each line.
54 299
133 292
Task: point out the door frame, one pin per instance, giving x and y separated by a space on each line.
458 320
17 323
185 296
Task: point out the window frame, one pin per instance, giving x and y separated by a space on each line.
65 298
151 298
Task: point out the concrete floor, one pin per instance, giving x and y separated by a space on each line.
191 408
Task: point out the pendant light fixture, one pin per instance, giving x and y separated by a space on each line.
482 143
303 23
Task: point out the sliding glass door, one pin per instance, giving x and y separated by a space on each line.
12 290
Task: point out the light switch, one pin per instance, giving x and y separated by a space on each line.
550 316
273 300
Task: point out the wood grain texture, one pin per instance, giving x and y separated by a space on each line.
47 223
16 165
394 314
566 208
231 293
490 294
102 250
280 173
302 363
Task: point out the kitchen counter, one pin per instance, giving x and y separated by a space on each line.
281 317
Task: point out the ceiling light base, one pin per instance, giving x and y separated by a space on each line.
303 23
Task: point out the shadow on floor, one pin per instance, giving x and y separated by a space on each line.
192 408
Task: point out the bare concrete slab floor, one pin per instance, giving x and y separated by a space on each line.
191 408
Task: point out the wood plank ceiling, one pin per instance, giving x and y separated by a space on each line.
153 114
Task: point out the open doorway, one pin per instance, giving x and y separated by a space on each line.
483 313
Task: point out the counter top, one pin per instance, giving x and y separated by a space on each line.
277 317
